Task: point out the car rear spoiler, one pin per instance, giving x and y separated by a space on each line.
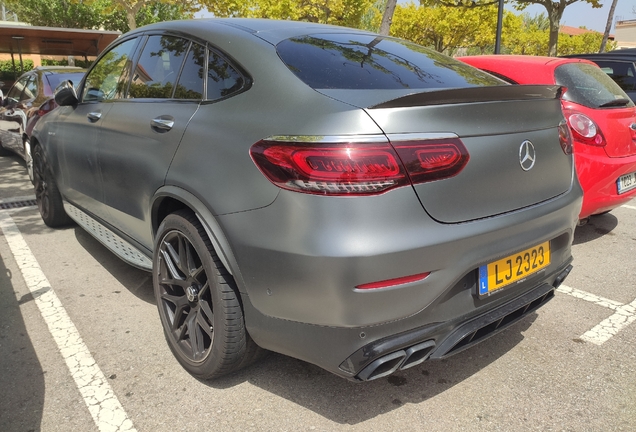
475 94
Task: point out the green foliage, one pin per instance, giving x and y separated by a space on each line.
445 29
155 11
64 62
59 13
94 14
338 12
6 69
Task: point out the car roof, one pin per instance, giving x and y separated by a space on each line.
521 68
272 31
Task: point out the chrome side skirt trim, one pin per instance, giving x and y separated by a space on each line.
112 241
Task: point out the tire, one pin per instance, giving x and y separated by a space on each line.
198 302
47 194
28 158
4 151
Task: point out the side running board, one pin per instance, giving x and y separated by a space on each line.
108 238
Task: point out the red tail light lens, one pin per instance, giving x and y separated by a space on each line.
585 130
355 168
427 161
333 169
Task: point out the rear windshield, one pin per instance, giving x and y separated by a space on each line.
357 62
588 85
55 80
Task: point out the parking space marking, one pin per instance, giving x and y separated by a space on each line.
624 315
103 405
629 207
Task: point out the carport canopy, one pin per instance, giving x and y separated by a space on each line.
24 39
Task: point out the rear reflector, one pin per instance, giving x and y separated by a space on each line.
393 282
357 167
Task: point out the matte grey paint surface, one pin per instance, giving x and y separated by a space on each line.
295 257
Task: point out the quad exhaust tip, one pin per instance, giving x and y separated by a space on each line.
399 360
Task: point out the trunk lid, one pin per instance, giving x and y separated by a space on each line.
494 124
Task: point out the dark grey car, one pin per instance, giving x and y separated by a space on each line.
352 200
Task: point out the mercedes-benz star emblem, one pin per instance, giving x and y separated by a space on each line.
527 155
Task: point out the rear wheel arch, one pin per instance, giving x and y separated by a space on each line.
170 199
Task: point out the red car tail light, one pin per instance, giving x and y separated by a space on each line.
333 166
565 138
585 130
432 160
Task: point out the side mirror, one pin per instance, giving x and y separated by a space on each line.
65 94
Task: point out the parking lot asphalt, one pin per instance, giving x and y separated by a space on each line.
81 348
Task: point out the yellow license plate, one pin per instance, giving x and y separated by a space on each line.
513 268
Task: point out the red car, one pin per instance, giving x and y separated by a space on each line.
602 119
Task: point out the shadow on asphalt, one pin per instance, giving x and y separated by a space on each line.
351 403
138 282
315 389
597 227
21 375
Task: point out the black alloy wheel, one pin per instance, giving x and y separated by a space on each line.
47 195
198 302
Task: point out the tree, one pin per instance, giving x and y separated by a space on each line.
339 12
59 13
608 26
151 13
554 9
131 8
93 14
445 29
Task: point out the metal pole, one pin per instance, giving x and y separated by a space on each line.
499 26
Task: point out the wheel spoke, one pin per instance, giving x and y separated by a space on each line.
204 324
183 255
197 273
170 256
196 339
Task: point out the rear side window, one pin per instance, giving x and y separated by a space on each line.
622 73
356 62
190 85
223 79
588 85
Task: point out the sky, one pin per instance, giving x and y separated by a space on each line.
581 14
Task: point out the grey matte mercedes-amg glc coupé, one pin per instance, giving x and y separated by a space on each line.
352 200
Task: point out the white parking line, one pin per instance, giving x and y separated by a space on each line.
102 403
624 315
629 207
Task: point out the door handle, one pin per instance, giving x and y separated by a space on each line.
163 123
94 116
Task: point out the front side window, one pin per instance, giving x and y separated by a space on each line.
107 80
158 67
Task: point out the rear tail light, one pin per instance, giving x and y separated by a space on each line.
585 130
339 166
565 138
46 107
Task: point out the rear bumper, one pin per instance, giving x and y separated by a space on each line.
300 259
598 174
